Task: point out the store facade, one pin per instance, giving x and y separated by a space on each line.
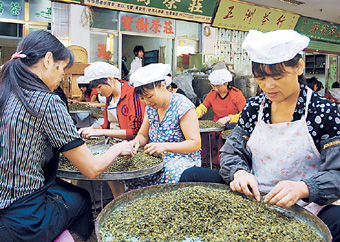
323 52
17 19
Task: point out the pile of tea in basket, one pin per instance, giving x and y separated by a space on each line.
198 213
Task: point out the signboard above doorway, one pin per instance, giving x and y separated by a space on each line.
192 10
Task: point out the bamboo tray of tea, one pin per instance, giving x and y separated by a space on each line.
203 212
207 126
75 108
101 148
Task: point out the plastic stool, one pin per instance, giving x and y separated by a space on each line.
65 237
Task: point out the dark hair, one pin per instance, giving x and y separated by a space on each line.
137 49
277 69
95 83
319 85
15 74
142 90
173 85
311 82
88 88
336 85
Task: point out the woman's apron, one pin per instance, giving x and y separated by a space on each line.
284 151
112 115
47 212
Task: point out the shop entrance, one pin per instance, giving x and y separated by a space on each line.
157 50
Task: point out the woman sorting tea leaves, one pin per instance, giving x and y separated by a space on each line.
35 127
227 103
170 125
287 142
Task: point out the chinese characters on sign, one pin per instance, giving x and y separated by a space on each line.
319 30
196 10
243 16
13 9
147 24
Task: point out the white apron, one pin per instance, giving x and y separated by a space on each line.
284 151
112 116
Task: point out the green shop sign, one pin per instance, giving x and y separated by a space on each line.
318 30
194 10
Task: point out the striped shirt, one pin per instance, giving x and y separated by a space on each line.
27 142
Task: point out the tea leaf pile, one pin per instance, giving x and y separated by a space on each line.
209 124
123 163
77 107
199 213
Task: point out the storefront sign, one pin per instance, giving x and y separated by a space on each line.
319 30
12 9
147 24
195 10
244 16
40 11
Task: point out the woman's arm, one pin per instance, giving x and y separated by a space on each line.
324 187
234 155
192 143
91 166
142 137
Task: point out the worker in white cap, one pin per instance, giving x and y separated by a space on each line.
124 112
227 103
88 94
287 141
170 126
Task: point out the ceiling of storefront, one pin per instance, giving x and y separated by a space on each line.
328 10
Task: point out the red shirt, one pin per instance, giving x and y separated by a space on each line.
130 111
232 103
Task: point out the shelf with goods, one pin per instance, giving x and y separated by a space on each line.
315 64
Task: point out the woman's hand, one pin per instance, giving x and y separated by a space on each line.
245 183
125 148
90 132
135 145
224 120
287 193
155 148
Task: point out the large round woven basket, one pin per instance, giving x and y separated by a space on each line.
80 53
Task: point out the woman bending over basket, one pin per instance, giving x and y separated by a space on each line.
287 141
170 126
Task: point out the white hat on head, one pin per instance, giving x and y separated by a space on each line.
274 46
219 77
82 80
98 70
151 73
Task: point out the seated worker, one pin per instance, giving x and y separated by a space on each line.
226 102
35 127
334 93
124 112
287 141
314 84
88 93
137 62
170 126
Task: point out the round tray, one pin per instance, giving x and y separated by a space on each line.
101 147
80 111
294 211
212 129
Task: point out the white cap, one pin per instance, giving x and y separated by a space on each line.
218 77
82 80
151 73
98 70
274 46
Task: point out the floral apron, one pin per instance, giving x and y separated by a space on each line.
284 151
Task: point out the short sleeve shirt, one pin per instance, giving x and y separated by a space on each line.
28 142
169 129
323 119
